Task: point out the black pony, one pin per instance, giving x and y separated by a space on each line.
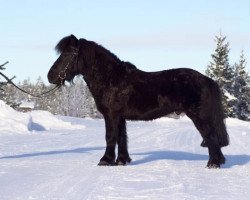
121 91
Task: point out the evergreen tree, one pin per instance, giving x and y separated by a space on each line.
248 95
73 100
220 70
53 101
77 101
7 91
40 87
2 83
240 88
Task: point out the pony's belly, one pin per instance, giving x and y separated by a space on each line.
147 115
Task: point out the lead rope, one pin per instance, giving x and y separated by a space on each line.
43 94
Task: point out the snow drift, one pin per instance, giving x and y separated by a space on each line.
12 122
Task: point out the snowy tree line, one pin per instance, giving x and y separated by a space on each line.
70 100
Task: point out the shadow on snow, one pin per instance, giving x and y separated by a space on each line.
231 160
56 152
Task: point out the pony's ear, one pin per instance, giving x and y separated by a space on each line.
66 43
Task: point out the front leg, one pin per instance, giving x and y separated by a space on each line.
123 156
112 130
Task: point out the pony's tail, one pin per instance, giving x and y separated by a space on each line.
218 116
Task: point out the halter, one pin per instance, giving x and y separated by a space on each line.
62 74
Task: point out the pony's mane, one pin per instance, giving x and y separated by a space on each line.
107 52
97 48
66 43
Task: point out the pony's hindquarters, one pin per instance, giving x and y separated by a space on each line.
209 120
218 115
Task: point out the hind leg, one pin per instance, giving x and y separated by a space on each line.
216 158
210 139
123 155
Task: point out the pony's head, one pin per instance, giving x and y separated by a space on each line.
66 66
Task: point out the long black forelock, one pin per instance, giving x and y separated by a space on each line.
66 43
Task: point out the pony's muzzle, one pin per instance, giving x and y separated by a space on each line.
51 77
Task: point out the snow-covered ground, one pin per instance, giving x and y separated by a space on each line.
45 157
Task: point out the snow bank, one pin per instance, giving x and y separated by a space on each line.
12 122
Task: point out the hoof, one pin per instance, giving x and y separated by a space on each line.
122 162
105 163
213 166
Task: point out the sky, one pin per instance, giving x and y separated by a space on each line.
152 34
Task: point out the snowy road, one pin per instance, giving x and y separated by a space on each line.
60 163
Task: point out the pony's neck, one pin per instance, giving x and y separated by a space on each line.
101 69
99 73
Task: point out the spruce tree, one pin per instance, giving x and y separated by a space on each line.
2 83
6 90
221 71
240 88
38 88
